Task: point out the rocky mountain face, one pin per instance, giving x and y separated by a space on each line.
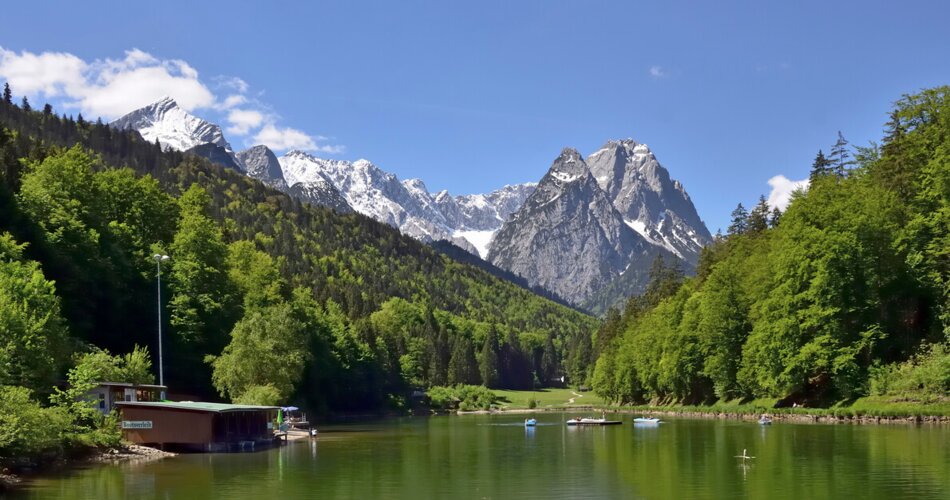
217 154
320 193
483 212
591 229
568 237
261 163
648 200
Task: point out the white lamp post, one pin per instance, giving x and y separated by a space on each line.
159 258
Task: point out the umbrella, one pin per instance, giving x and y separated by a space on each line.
290 408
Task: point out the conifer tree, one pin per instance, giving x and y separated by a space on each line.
665 279
7 94
488 365
740 221
439 351
515 367
610 329
776 215
821 166
549 364
840 157
759 217
26 104
462 366
47 110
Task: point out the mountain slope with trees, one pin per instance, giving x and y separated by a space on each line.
266 296
846 294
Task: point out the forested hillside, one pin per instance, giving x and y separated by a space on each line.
846 294
267 299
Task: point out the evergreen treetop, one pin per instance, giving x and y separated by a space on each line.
740 221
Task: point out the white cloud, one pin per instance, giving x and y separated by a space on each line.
50 73
284 138
233 83
658 72
233 100
113 87
244 120
114 90
782 189
107 88
331 149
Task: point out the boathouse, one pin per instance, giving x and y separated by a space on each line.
197 426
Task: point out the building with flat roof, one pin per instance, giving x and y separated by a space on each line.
198 426
106 394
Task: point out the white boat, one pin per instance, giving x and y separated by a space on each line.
765 420
592 421
646 420
530 422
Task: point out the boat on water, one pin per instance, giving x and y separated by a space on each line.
765 420
646 420
592 421
530 422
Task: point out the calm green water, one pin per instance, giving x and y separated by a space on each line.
496 457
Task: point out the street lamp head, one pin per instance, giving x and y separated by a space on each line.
159 257
165 257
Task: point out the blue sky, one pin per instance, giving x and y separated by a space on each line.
470 96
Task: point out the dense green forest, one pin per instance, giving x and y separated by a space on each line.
846 294
266 299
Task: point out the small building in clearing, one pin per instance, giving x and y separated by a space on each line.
105 395
197 426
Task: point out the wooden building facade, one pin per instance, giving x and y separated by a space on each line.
194 426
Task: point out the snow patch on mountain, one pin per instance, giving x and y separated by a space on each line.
481 240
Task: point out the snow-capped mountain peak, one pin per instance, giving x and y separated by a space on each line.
177 129
469 221
173 127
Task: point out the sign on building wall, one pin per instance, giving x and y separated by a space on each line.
136 424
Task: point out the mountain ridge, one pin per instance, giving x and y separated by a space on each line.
636 210
592 227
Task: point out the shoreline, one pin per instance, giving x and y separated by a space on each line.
799 416
131 453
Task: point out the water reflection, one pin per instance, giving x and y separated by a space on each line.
497 457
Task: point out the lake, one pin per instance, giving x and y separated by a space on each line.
494 456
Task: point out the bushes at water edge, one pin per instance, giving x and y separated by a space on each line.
462 397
